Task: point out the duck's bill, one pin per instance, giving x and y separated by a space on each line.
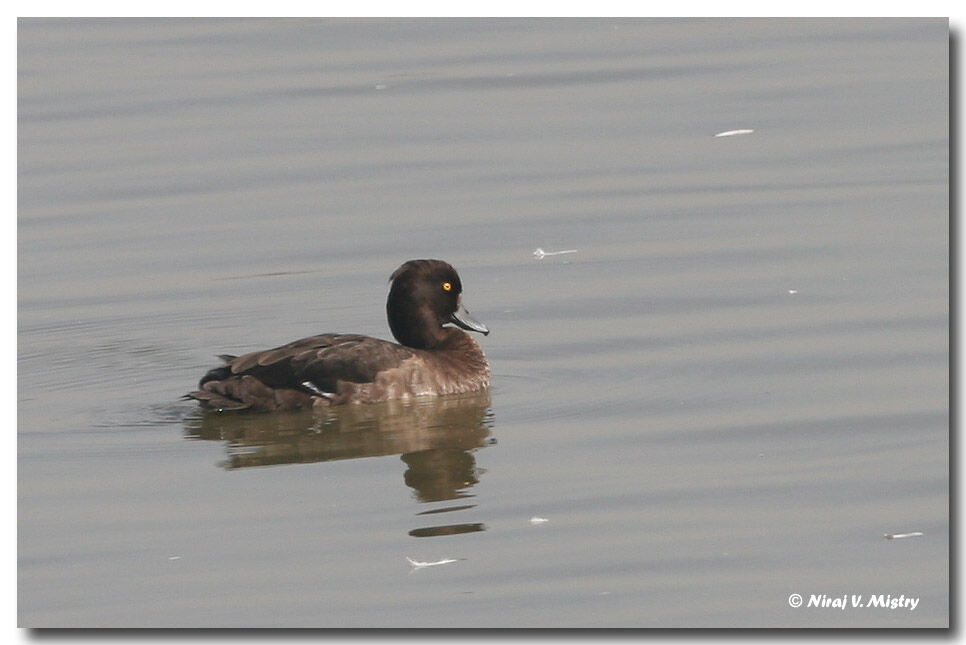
462 318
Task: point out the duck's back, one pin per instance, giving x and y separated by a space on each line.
295 375
331 369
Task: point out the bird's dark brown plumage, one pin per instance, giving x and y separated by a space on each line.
332 369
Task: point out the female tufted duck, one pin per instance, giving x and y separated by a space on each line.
332 369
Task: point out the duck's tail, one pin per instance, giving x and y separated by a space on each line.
220 389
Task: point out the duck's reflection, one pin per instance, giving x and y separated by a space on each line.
435 438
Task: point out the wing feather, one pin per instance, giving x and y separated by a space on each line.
323 360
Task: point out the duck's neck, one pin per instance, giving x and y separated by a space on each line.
414 333
469 355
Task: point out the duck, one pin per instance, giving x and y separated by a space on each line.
433 355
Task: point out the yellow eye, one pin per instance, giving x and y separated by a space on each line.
447 286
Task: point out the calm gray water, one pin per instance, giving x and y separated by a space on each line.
729 394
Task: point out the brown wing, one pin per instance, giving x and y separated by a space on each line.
320 360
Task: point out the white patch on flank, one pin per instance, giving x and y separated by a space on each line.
310 385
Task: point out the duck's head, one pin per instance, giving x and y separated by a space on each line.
424 296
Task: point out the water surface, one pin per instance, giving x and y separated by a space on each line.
730 392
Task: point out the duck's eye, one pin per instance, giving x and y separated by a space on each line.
447 286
